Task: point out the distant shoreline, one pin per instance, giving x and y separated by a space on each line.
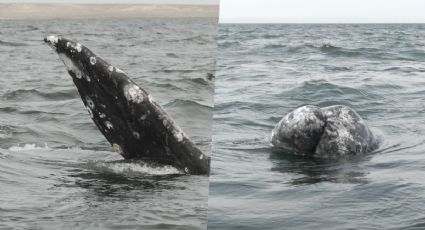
89 11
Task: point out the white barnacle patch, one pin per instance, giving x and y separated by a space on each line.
52 39
117 148
70 66
201 156
178 134
78 48
143 117
90 102
102 115
186 170
109 125
93 60
151 99
136 135
165 122
90 112
133 93
68 44
119 71
111 68
78 75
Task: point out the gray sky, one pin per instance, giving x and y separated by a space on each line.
201 2
322 11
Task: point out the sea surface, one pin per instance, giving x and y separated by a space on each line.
266 71
57 171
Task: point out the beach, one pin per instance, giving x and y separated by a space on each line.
87 11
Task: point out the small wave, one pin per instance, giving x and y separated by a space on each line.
200 81
186 103
5 43
329 47
210 76
199 39
132 168
274 46
167 86
27 147
270 36
328 92
229 44
173 55
29 93
175 70
366 52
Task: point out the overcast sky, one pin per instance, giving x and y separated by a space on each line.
202 2
322 11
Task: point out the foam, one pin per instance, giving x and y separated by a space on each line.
135 168
27 147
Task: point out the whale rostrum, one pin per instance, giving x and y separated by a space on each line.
324 132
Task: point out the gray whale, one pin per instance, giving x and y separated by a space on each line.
324 132
126 114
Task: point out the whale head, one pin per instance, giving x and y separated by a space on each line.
83 64
107 93
134 124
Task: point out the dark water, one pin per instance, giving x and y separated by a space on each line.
56 169
266 71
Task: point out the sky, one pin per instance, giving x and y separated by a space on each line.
322 11
201 2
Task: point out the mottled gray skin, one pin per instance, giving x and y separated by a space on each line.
135 125
324 132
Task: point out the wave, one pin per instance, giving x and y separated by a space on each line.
27 147
199 39
274 46
366 52
164 70
132 168
14 44
329 93
29 93
229 44
186 103
201 81
173 55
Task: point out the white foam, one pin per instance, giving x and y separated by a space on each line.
137 168
27 147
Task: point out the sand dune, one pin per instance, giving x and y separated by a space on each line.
51 11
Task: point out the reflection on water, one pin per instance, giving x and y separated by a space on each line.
313 170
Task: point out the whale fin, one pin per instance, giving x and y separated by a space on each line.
135 125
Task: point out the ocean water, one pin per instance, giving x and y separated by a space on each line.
266 71
57 171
